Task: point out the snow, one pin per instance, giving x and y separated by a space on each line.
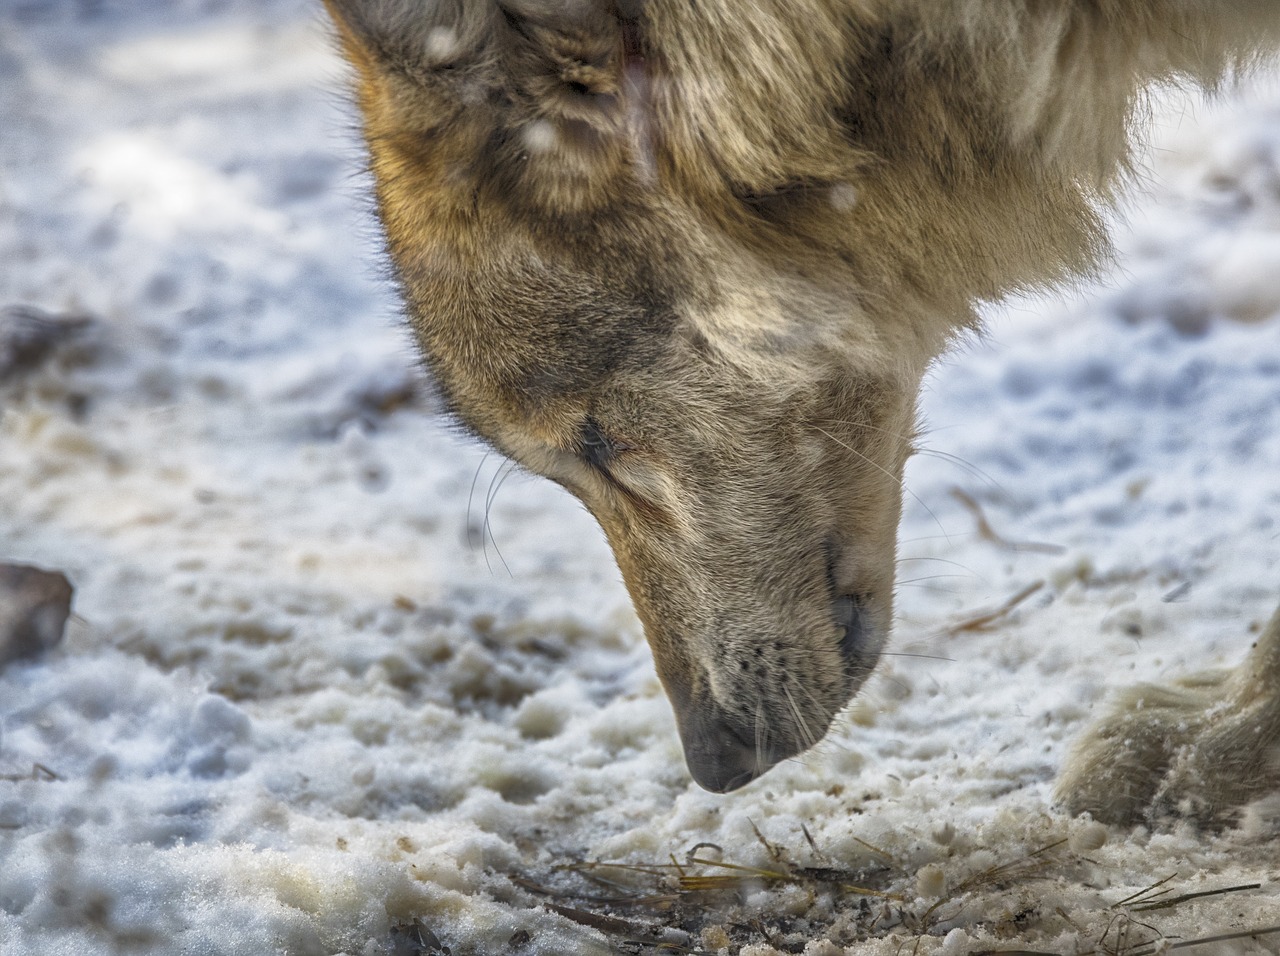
334 670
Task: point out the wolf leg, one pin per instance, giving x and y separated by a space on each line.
1200 750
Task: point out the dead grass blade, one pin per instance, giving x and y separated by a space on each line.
1146 894
690 890
883 854
985 619
38 772
1205 940
744 876
653 900
1172 901
1162 944
1023 868
605 924
988 533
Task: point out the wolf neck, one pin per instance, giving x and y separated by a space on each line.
945 193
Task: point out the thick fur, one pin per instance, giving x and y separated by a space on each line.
1199 750
692 260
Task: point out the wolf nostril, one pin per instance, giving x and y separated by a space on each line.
847 611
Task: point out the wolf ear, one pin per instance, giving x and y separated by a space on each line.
569 13
411 36
562 57
402 27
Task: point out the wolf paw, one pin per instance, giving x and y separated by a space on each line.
1199 750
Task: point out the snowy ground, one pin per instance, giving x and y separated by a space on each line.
306 705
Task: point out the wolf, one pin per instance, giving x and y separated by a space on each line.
691 260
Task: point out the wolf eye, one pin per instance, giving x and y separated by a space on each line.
596 448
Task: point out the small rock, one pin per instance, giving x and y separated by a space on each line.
34 607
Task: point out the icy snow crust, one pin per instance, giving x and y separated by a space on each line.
306 701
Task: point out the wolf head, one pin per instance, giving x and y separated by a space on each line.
684 278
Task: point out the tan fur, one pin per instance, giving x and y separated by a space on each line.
692 260
1199 750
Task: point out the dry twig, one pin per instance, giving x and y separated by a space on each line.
987 533
985 619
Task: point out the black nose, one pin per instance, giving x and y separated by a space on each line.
848 614
721 756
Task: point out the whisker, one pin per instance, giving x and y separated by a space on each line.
802 725
499 479
935 537
968 466
931 588
898 481
760 733
826 741
935 577
919 431
955 564
485 530
470 496
909 438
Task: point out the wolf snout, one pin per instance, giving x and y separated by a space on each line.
722 756
730 742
